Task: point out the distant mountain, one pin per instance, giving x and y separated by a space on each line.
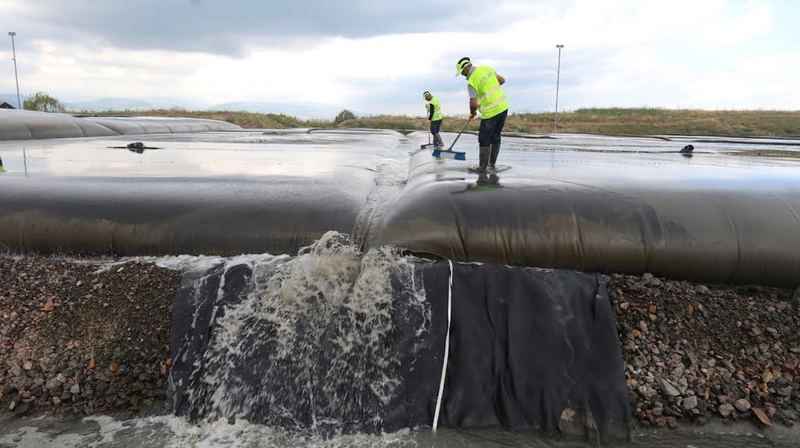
299 110
11 98
131 104
104 104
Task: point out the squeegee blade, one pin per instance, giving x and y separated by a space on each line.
444 154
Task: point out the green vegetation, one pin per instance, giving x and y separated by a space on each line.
663 121
344 116
620 122
43 102
594 121
250 120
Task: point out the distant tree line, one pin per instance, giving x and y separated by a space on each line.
43 102
344 116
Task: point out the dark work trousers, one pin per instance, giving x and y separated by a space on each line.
436 126
491 129
489 138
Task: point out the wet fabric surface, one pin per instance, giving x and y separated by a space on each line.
21 125
628 205
728 225
527 346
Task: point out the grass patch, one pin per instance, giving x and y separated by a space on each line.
607 121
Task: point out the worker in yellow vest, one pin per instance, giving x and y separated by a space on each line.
487 97
435 116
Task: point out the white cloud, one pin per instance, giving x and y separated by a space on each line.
710 53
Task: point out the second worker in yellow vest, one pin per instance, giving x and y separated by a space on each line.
434 108
487 97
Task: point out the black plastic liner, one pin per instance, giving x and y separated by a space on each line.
527 346
171 215
23 125
694 229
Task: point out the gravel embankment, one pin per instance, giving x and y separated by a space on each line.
76 341
694 351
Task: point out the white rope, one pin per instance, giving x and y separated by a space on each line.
446 348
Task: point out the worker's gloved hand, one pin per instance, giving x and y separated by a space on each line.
472 114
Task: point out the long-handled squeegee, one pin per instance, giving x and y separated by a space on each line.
449 153
426 145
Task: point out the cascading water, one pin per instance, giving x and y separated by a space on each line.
315 342
337 341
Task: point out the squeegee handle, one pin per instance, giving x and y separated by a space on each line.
459 134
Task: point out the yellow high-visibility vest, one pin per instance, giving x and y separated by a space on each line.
491 98
437 108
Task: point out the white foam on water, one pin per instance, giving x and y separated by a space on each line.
176 432
243 434
325 318
390 177
32 437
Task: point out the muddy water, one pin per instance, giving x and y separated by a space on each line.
174 432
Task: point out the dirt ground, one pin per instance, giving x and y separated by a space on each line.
80 341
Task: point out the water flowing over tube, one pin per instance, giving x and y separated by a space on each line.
338 341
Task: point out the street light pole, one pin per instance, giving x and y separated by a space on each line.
558 83
16 75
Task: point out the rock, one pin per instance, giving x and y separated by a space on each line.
785 391
643 326
658 409
702 289
689 403
12 405
568 423
15 370
27 365
725 410
669 389
647 392
53 384
742 405
75 389
772 331
762 417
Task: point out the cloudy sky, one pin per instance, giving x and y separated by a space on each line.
377 56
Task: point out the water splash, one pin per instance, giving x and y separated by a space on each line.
313 344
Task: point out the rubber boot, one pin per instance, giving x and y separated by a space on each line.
495 153
437 141
485 153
